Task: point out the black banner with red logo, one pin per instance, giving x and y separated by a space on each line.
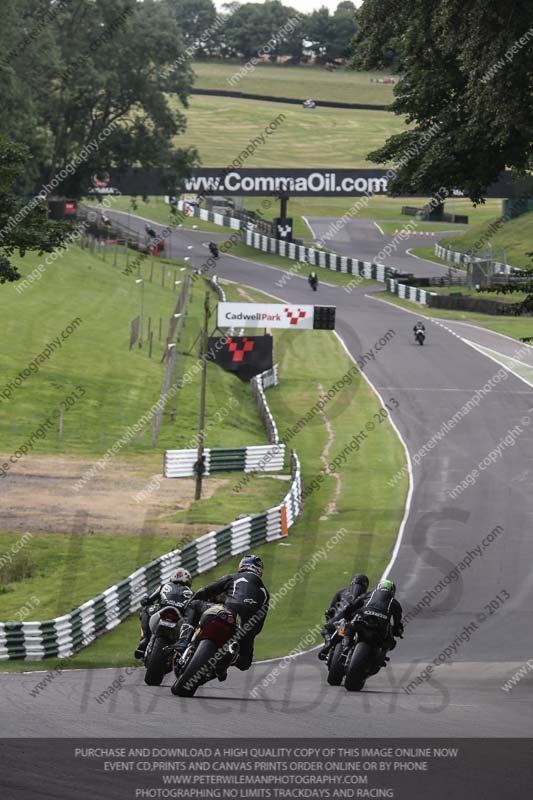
245 355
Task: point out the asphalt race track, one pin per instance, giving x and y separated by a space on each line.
463 697
361 238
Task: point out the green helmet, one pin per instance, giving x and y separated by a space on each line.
386 586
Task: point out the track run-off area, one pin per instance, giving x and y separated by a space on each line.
476 624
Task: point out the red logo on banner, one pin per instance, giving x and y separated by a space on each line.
294 319
238 352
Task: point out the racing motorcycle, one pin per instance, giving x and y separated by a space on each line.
313 282
165 622
211 650
214 250
364 654
420 336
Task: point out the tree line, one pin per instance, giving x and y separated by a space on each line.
242 31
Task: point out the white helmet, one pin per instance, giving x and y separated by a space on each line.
183 576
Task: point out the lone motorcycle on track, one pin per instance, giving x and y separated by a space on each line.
419 331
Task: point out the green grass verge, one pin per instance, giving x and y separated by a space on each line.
510 242
341 86
515 328
428 252
119 384
324 137
367 509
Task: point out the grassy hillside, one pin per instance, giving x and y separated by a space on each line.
511 241
368 515
220 128
344 86
119 385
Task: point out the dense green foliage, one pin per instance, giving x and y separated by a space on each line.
466 77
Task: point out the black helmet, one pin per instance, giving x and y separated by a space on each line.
360 580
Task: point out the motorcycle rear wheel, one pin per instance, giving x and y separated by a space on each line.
358 667
193 676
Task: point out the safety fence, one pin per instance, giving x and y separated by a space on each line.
180 463
312 256
258 384
315 257
63 636
412 293
464 259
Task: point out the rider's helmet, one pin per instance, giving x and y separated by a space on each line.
251 564
360 580
183 576
386 586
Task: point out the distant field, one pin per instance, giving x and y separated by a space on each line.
221 128
343 86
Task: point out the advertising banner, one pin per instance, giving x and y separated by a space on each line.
265 315
228 181
244 355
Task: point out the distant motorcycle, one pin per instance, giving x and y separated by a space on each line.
313 282
165 623
214 250
211 650
420 337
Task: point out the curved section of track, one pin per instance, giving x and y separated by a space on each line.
464 696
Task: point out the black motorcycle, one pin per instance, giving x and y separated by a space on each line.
313 282
165 622
420 336
211 651
214 250
364 654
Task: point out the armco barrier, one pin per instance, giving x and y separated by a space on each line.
412 293
318 258
313 256
65 635
258 385
463 258
180 463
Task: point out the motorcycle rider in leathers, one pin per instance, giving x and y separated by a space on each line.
181 594
381 611
335 612
242 593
